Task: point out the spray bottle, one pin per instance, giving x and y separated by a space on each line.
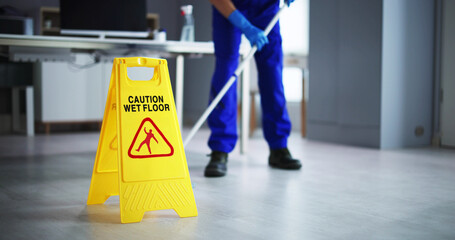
188 24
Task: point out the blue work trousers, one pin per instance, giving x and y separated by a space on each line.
275 119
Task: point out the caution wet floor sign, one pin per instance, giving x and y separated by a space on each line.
140 154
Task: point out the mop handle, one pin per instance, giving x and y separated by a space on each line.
226 87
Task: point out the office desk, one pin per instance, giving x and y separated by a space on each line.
27 48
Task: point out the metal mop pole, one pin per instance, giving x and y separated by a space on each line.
226 87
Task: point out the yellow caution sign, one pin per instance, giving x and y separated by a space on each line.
140 153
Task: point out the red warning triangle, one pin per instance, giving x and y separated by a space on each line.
149 142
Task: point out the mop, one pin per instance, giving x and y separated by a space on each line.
231 81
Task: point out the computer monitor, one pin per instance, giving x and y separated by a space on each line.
116 18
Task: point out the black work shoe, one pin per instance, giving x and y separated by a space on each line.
217 165
281 158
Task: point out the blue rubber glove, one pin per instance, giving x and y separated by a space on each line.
255 35
288 2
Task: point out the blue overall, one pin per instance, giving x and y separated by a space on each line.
226 37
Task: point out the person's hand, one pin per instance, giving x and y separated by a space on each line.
288 2
255 35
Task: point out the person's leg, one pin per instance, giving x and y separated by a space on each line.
139 148
269 61
148 146
223 120
276 124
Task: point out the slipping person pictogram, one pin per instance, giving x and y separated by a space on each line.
162 147
147 140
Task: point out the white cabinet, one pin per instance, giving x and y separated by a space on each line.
67 94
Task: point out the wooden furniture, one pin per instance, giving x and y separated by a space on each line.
50 21
153 22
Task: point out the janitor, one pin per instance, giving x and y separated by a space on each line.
230 20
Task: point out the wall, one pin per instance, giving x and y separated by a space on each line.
345 73
407 72
448 75
371 66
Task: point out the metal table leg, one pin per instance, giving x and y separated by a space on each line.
179 88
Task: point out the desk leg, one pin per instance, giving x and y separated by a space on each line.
245 115
30 108
179 88
15 109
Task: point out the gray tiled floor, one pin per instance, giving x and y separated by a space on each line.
341 193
